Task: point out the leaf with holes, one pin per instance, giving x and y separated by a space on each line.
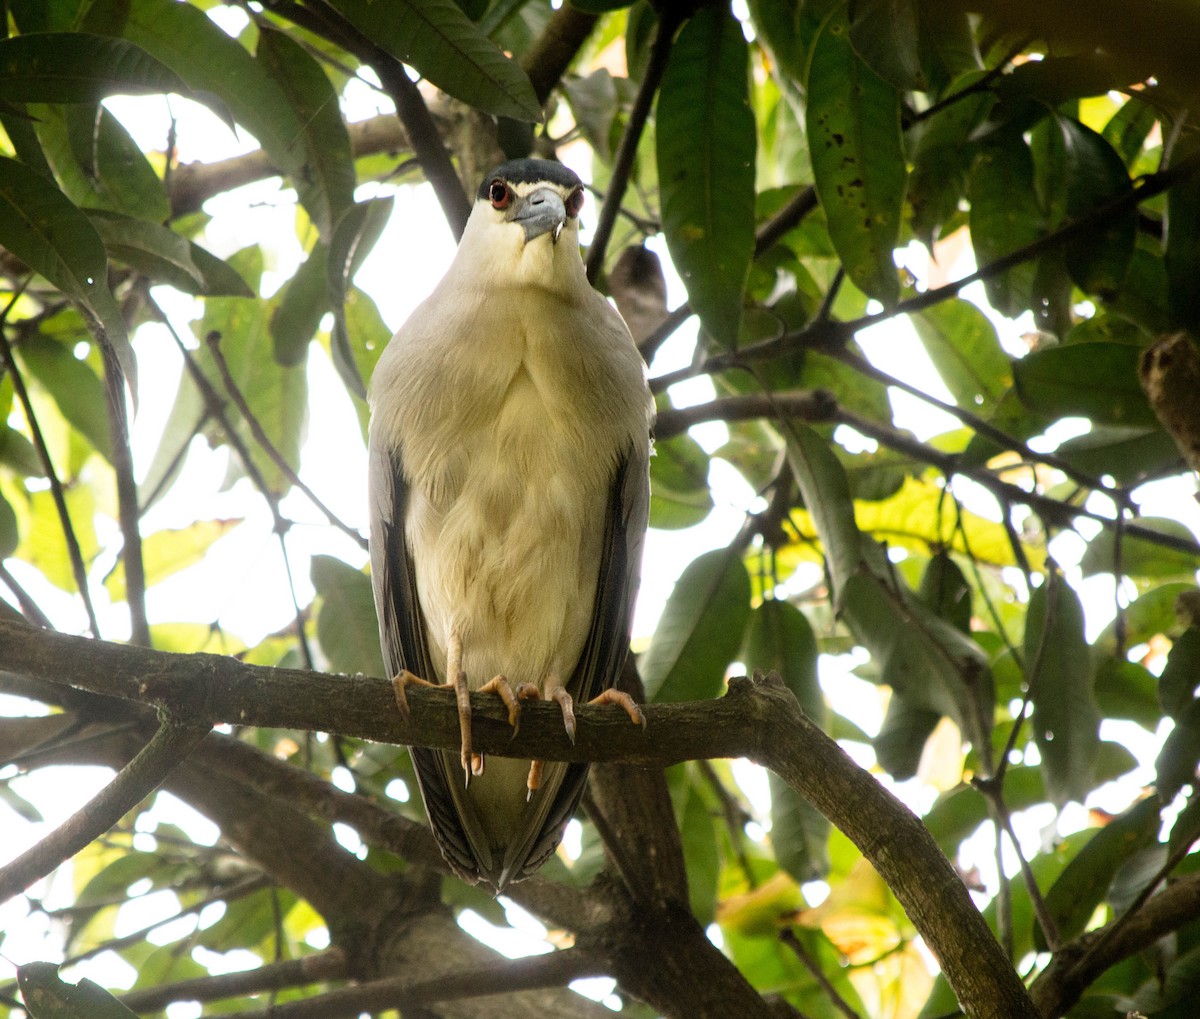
853 121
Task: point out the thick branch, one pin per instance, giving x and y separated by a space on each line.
192 184
759 720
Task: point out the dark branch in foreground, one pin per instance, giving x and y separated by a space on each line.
758 719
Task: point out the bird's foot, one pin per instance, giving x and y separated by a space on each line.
405 679
502 688
622 699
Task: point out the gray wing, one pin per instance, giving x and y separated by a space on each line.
607 643
402 638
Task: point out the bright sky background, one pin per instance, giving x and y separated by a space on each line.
242 582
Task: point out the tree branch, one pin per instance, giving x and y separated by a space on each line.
759 720
539 971
668 21
820 406
309 969
551 54
132 784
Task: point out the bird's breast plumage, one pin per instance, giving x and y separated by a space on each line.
510 434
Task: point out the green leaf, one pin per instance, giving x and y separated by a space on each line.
436 38
220 278
924 658
153 250
353 238
963 345
75 388
218 68
1083 884
346 627
1147 616
10 535
1182 254
1128 128
884 35
276 396
117 171
853 122
826 492
942 159
1176 763
698 832
1129 455
48 996
1096 175
945 590
705 134
1181 675
302 305
1127 689
901 739
74 67
780 639
700 630
1005 216
1098 381
1140 557
328 179
371 335
50 235
1066 721
679 492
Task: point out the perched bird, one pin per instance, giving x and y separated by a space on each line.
509 444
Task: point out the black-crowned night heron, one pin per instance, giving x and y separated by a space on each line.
509 444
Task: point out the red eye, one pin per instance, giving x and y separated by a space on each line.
499 194
574 202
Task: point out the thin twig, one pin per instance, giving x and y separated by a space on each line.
789 938
555 969
668 21
277 976
265 443
981 85
29 608
824 336
57 492
127 503
171 744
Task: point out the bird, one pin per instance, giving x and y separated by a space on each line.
508 461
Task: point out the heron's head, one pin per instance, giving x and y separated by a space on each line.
525 225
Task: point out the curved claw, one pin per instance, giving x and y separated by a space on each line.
568 711
501 687
471 763
622 699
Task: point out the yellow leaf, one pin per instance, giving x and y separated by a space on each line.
763 910
167 552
